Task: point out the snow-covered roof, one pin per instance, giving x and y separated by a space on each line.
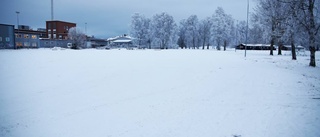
122 41
256 45
119 37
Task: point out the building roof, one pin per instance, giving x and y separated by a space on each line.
119 37
122 41
256 45
6 25
28 31
60 21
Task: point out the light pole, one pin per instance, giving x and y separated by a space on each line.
245 48
86 28
17 12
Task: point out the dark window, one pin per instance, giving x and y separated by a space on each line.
54 25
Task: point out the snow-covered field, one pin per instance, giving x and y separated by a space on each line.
157 93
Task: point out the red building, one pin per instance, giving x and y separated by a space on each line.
58 29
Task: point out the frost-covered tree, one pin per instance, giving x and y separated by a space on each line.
140 30
308 18
78 38
182 34
293 31
205 27
256 34
272 15
163 29
241 30
192 32
223 28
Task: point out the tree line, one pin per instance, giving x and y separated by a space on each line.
274 22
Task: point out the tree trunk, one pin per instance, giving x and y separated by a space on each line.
271 46
225 45
312 55
293 49
208 46
204 43
280 48
312 34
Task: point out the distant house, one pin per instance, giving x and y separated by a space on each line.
121 42
7 39
96 42
288 47
254 47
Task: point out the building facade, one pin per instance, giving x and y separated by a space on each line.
7 39
50 43
121 42
58 29
27 38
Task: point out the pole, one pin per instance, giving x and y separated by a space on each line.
86 28
245 51
17 36
51 10
237 38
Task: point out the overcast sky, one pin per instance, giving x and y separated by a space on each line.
106 18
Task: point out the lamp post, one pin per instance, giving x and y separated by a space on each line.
86 28
245 49
17 12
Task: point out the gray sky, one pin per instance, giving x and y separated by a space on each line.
106 18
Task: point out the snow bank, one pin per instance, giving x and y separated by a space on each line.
172 93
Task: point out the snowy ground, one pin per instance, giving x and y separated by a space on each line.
153 93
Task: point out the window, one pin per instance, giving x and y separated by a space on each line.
34 36
54 30
49 36
7 39
54 25
54 36
26 44
34 44
46 43
49 26
18 36
26 36
18 44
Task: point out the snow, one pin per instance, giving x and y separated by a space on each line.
157 93
122 41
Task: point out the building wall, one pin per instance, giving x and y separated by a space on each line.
58 29
7 39
50 43
27 38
